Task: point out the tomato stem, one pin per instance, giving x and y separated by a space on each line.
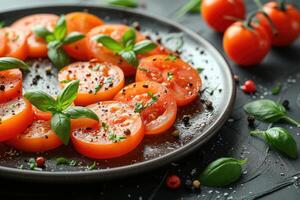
282 5
291 121
258 133
259 4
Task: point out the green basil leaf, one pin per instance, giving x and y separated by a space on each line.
65 161
124 3
41 31
57 55
2 24
60 29
280 139
41 100
73 37
66 97
128 38
265 110
276 90
50 38
61 125
192 6
109 43
130 57
81 112
12 63
144 47
222 172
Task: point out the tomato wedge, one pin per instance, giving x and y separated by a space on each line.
15 117
37 138
3 41
96 50
98 81
16 45
37 47
179 77
10 84
119 132
80 22
155 103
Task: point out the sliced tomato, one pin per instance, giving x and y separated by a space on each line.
3 41
98 81
119 132
16 45
155 103
37 47
80 22
37 138
15 117
10 84
179 77
100 52
41 115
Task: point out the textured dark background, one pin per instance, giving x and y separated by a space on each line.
265 169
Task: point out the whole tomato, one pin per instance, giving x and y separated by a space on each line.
286 20
246 43
220 14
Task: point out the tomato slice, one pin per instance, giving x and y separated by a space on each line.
16 45
179 77
80 22
98 81
10 84
119 132
15 117
155 103
3 41
37 47
37 138
100 52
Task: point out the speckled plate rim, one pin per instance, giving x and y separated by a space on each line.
117 172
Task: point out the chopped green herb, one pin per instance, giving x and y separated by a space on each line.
2 24
105 126
65 81
65 161
138 107
170 76
200 70
153 97
33 165
98 87
143 69
116 138
92 166
124 3
96 67
109 80
277 89
171 57
192 6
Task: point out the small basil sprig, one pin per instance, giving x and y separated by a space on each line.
193 6
269 111
60 108
222 172
12 63
127 47
124 3
56 40
280 139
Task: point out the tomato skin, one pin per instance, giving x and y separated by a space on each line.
3 41
246 47
37 138
185 83
90 79
103 54
11 80
286 22
214 12
158 117
103 148
17 123
80 22
37 47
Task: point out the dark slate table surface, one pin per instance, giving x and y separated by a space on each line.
265 170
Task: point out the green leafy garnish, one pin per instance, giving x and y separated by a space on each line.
105 126
56 40
171 57
124 3
98 87
170 76
60 108
33 165
222 172
65 81
12 63
193 6
276 90
200 70
127 48
92 166
65 161
280 139
96 67
139 106
116 138
269 111
2 24
143 69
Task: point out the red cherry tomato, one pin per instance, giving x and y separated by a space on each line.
173 182
218 13
286 22
249 87
246 45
